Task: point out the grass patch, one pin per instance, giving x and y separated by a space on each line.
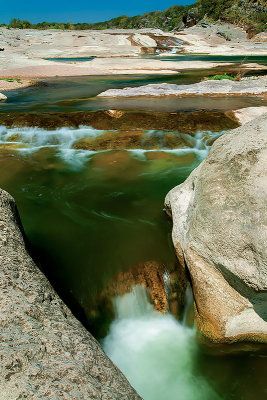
11 80
221 77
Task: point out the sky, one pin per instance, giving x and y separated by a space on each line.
79 10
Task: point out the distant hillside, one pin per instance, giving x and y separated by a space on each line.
249 14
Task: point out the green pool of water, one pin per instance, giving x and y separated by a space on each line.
79 94
259 59
69 59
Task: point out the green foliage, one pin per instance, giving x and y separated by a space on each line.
11 80
220 77
17 23
245 13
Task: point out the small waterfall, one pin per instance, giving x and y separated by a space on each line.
27 141
62 141
155 351
188 304
36 138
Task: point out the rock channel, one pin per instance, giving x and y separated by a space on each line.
45 352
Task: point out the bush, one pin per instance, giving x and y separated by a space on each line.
220 77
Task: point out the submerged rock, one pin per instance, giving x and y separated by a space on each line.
133 140
45 352
220 234
183 122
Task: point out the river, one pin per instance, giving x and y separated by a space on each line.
93 214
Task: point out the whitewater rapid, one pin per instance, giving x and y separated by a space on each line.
155 352
27 141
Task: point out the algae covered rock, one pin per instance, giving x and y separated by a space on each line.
45 351
220 234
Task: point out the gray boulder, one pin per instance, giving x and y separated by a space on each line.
220 234
45 352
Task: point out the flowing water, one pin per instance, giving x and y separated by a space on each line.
153 349
91 214
80 94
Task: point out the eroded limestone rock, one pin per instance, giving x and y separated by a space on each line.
209 88
220 234
45 352
2 96
244 115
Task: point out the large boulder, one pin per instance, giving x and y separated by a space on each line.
220 234
45 352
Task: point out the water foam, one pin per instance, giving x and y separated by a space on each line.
155 351
29 140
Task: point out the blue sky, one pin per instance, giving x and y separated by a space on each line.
79 10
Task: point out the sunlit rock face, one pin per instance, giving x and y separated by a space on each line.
220 234
244 115
208 87
45 352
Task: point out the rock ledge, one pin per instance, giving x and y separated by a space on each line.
45 352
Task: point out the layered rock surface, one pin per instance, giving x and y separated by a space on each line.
45 352
220 235
210 87
189 123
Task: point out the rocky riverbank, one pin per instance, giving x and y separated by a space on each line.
244 115
45 351
219 233
26 50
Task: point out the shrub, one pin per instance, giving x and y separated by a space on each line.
220 77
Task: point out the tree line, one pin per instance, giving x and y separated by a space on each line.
245 13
